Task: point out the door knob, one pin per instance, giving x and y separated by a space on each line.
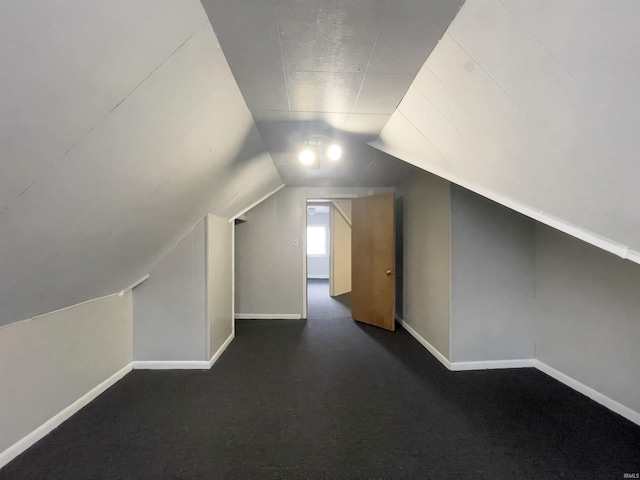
390 272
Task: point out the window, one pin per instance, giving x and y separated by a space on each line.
317 240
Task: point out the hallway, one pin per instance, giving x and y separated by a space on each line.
330 398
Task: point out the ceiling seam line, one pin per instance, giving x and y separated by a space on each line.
375 42
480 121
448 122
545 48
499 85
61 159
446 159
284 70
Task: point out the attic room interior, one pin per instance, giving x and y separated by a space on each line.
157 160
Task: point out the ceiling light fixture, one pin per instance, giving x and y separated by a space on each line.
334 152
319 147
307 157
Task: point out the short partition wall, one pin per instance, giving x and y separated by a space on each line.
59 362
183 315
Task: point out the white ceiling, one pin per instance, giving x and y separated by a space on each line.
535 104
336 68
121 126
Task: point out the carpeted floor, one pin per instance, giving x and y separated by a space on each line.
329 398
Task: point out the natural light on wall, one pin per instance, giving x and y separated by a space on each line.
316 240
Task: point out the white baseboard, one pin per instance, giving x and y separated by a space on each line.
492 364
594 395
318 277
171 365
221 350
182 364
55 421
268 316
432 350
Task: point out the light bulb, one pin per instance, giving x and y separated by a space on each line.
307 157
334 152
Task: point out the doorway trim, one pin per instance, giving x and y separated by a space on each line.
334 196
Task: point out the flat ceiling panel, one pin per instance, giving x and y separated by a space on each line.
329 36
326 48
381 93
323 91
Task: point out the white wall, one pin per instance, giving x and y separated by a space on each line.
122 127
493 280
269 267
588 315
219 281
170 320
426 258
534 104
48 363
318 265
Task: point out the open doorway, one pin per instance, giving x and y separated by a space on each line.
328 257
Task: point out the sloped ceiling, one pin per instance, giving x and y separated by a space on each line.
121 126
535 104
334 68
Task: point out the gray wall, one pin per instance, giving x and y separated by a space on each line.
519 290
269 267
588 315
492 288
219 281
48 363
169 308
426 252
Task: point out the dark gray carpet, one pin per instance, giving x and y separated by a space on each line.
329 398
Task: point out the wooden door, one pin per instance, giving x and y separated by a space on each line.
372 261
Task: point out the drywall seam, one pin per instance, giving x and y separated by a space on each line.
119 294
48 426
432 350
539 215
594 395
242 212
267 316
171 365
221 350
133 285
493 364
